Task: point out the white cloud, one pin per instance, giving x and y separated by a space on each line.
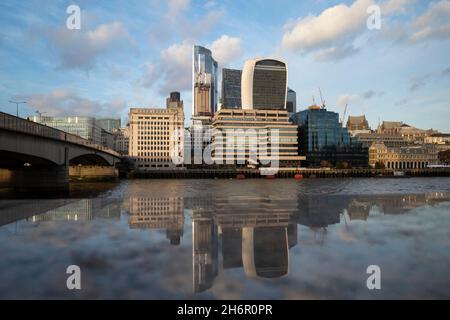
62 102
434 23
226 49
80 50
345 99
332 33
173 70
333 24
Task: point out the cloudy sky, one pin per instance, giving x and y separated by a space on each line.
133 53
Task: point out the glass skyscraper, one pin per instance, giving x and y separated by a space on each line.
204 82
231 89
324 141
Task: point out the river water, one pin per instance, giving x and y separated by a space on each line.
231 239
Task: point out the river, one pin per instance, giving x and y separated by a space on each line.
230 239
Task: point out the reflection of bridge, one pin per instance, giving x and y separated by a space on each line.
33 155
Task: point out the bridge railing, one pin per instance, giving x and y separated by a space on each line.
13 123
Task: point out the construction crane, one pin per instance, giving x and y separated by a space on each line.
321 99
345 112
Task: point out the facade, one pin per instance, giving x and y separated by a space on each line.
231 89
291 102
249 128
107 139
84 127
357 124
412 134
121 140
174 101
438 138
109 124
156 137
204 72
389 140
264 84
324 141
408 157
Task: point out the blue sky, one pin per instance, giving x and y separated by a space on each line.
133 53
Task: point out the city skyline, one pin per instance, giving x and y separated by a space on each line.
126 57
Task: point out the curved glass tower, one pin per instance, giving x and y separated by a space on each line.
204 80
264 84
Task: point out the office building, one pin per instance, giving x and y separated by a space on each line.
231 89
156 137
324 141
121 140
174 101
390 140
438 138
84 127
109 124
245 130
107 139
291 102
408 157
204 72
264 84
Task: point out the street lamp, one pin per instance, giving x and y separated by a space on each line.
40 115
17 105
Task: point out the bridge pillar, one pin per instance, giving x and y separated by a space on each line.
36 179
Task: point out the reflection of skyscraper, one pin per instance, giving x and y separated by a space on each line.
231 89
204 82
158 213
204 251
265 251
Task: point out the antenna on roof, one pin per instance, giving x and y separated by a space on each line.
314 100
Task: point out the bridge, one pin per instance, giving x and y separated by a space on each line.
35 156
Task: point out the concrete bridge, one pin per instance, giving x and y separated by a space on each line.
35 156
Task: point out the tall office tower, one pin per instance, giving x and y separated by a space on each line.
264 84
231 89
291 102
156 137
204 81
174 101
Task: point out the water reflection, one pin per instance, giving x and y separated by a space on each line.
252 233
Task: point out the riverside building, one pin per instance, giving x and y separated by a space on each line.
156 137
